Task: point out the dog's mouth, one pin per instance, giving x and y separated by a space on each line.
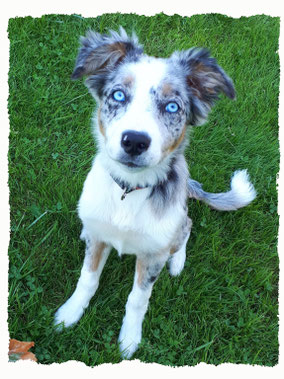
132 163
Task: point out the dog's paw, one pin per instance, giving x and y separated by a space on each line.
68 315
176 263
128 342
127 348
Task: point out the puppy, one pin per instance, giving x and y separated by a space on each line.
135 196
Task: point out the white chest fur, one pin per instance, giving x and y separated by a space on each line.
129 225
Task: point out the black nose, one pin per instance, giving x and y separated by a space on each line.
135 143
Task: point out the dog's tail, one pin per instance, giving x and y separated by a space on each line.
241 194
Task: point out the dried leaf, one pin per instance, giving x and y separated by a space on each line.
19 350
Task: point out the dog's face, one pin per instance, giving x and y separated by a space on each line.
146 103
142 113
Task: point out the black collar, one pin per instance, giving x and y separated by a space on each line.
126 187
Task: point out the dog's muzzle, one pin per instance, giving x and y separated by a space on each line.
135 143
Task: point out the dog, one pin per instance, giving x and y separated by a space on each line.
135 197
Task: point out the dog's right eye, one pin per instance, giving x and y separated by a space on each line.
118 96
172 107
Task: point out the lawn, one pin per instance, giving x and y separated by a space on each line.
224 305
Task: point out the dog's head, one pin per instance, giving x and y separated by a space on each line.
146 103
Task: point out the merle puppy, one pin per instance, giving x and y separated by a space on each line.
135 196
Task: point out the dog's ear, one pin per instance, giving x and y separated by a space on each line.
205 80
101 53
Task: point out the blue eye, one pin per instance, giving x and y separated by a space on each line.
172 107
118 96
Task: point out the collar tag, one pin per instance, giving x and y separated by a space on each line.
124 194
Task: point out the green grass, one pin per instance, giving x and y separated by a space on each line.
224 305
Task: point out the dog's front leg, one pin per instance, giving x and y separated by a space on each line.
95 258
147 271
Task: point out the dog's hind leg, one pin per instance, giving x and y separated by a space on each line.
178 252
147 271
95 258
177 259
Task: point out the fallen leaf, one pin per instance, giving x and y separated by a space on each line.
19 350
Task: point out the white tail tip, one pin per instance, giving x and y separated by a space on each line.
242 188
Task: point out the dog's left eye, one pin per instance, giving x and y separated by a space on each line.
172 107
119 96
